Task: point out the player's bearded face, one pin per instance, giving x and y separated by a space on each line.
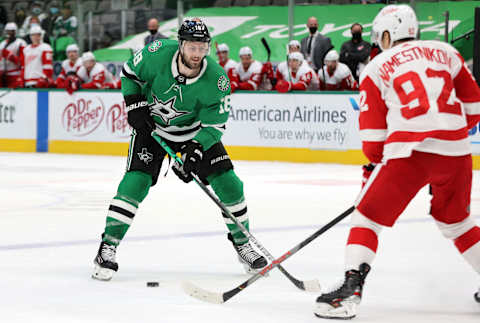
331 66
194 52
294 64
222 56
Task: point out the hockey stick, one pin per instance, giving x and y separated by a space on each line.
219 298
310 285
264 42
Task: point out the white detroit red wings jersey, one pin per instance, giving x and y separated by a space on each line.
419 96
253 75
305 75
96 78
68 67
13 63
229 66
340 79
37 63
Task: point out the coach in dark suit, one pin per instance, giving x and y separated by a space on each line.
153 29
315 46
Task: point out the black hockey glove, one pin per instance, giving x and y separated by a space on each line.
138 114
192 153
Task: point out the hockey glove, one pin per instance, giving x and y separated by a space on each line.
138 114
367 171
192 153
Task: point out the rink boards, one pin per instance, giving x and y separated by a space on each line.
300 127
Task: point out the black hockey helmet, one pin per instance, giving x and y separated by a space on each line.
194 30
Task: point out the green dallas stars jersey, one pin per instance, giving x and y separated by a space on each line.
194 110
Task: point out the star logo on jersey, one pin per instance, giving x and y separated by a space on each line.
145 156
223 83
166 110
153 47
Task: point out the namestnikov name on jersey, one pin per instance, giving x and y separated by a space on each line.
182 109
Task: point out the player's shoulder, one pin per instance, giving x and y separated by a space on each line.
45 47
98 68
282 66
66 63
161 48
216 76
343 70
21 42
231 63
256 66
305 68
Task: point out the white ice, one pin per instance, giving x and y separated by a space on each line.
53 209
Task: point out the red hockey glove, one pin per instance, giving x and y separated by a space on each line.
267 69
283 86
73 84
367 171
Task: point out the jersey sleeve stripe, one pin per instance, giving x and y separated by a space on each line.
128 73
373 134
411 136
472 108
253 84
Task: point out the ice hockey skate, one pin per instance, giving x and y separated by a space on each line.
105 264
251 260
341 303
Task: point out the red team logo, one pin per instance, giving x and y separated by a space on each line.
83 116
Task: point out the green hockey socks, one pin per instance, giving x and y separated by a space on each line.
229 189
131 192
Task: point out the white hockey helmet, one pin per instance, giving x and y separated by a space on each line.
35 29
72 48
88 56
222 48
399 20
245 51
296 55
332 55
11 26
294 42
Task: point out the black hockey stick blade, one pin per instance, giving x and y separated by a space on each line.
265 44
219 298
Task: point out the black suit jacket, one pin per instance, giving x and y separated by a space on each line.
321 47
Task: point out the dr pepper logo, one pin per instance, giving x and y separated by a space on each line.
83 116
116 120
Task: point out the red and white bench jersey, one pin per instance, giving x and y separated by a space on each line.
68 67
229 66
13 62
37 63
305 75
97 78
340 79
420 96
253 75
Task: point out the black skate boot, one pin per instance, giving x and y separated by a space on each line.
342 302
252 261
105 264
477 296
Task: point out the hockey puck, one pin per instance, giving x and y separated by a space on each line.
477 297
152 284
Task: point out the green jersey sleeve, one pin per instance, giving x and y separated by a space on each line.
135 72
214 113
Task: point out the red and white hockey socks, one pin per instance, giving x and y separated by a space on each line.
362 241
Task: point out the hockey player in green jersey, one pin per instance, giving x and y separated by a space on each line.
176 90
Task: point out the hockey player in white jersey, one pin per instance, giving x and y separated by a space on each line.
70 67
249 71
228 64
37 61
296 75
94 75
336 76
11 50
418 102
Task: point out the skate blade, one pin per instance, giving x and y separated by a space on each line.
346 311
103 274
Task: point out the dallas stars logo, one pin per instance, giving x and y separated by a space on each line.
145 156
166 110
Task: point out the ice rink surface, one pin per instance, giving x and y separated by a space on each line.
53 210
